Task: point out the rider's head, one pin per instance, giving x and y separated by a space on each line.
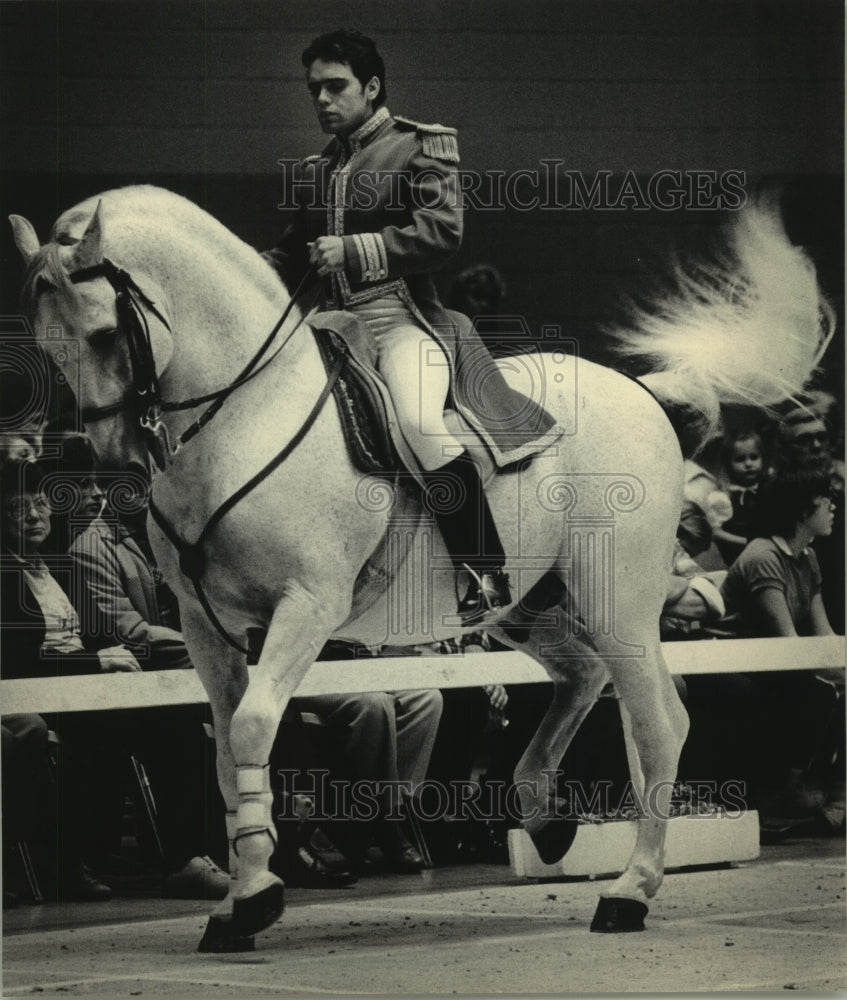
346 78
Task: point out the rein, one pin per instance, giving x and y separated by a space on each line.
192 558
129 299
131 318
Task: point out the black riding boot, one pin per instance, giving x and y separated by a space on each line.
457 500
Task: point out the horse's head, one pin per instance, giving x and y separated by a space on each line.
101 316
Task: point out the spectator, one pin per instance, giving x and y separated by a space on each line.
478 292
381 745
744 468
465 820
40 637
775 589
693 597
45 638
808 435
296 860
694 533
20 446
705 499
805 433
126 596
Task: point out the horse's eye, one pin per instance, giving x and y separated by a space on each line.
102 340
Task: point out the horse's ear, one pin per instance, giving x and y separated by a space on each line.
89 250
26 239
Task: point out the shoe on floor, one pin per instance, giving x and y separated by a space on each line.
200 878
305 870
77 883
406 861
399 855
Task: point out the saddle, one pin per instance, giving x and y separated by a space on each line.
372 433
376 444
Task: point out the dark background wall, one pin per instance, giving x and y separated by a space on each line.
206 98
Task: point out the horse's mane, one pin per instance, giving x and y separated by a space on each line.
44 269
138 218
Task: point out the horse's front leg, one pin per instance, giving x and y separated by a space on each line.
300 626
223 673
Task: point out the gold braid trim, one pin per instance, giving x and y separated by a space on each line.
440 146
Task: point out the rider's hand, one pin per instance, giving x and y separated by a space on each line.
327 253
116 659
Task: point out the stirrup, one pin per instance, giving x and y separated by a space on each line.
488 592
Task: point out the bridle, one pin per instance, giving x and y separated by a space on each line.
144 397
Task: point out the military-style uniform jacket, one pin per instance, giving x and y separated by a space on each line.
391 191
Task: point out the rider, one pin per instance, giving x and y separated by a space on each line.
385 211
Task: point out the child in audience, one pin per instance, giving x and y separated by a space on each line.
743 471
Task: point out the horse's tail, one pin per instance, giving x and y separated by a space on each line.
748 328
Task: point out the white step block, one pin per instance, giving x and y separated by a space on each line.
604 848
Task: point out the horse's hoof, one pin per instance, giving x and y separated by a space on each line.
254 913
616 915
219 937
554 839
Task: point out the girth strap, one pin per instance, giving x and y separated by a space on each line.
192 558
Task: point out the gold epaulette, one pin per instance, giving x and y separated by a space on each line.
437 141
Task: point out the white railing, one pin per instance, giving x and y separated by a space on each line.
87 692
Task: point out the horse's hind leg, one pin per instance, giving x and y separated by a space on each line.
578 675
552 825
659 725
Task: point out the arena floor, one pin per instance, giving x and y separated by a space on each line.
774 924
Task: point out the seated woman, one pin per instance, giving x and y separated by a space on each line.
775 589
42 636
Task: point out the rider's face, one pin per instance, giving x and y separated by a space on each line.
341 102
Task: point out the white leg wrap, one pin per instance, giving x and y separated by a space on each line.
255 802
250 779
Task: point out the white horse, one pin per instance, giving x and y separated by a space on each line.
149 291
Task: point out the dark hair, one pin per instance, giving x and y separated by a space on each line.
744 432
356 50
482 284
788 498
731 438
